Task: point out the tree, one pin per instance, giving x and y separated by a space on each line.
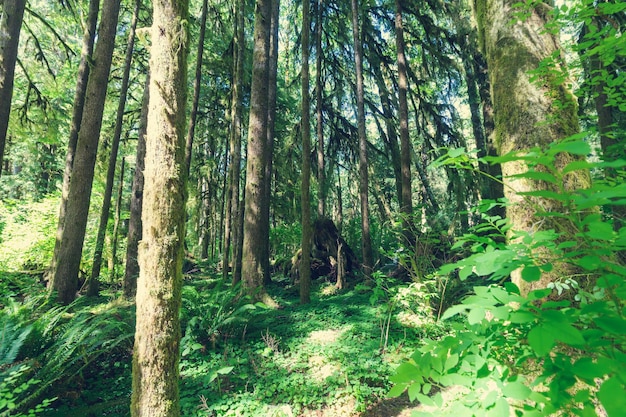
157 335
80 93
305 128
66 265
406 206
231 221
131 270
319 114
10 25
528 114
115 145
366 243
271 128
196 88
253 238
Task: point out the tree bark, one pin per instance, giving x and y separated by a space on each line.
527 114
157 337
10 25
136 201
196 88
319 101
271 116
84 69
253 239
305 128
65 275
115 145
366 244
116 222
234 169
406 204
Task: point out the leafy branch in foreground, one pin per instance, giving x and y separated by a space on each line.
537 354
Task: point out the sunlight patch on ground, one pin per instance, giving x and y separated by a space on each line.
330 289
320 369
341 407
324 337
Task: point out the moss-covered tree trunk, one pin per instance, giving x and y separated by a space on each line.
10 24
157 336
197 84
77 117
406 206
366 242
528 113
115 145
231 217
131 270
271 121
66 264
305 264
319 103
253 239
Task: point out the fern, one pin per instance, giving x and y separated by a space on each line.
13 334
81 337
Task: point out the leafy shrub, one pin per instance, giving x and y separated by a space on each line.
530 353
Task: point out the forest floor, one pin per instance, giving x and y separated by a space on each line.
323 359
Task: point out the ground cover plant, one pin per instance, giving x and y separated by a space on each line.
238 358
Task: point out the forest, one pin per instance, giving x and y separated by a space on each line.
322 208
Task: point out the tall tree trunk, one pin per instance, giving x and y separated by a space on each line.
305 128
10 25
115 145
196 88
157 336
527 114
406 206
390 138
339 202
136 201
234 169
253 239
271 116
84 69
65 275
366 243
116 222
319 90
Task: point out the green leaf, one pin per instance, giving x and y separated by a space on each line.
576 165
531 273
476 315
577 147
405 373
600 231
516 390
590 262
453 311
451 362
501 408
587 368
611 395
414 389
541 340
521 317
225 370
614 325
569 334
424 399
396 390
